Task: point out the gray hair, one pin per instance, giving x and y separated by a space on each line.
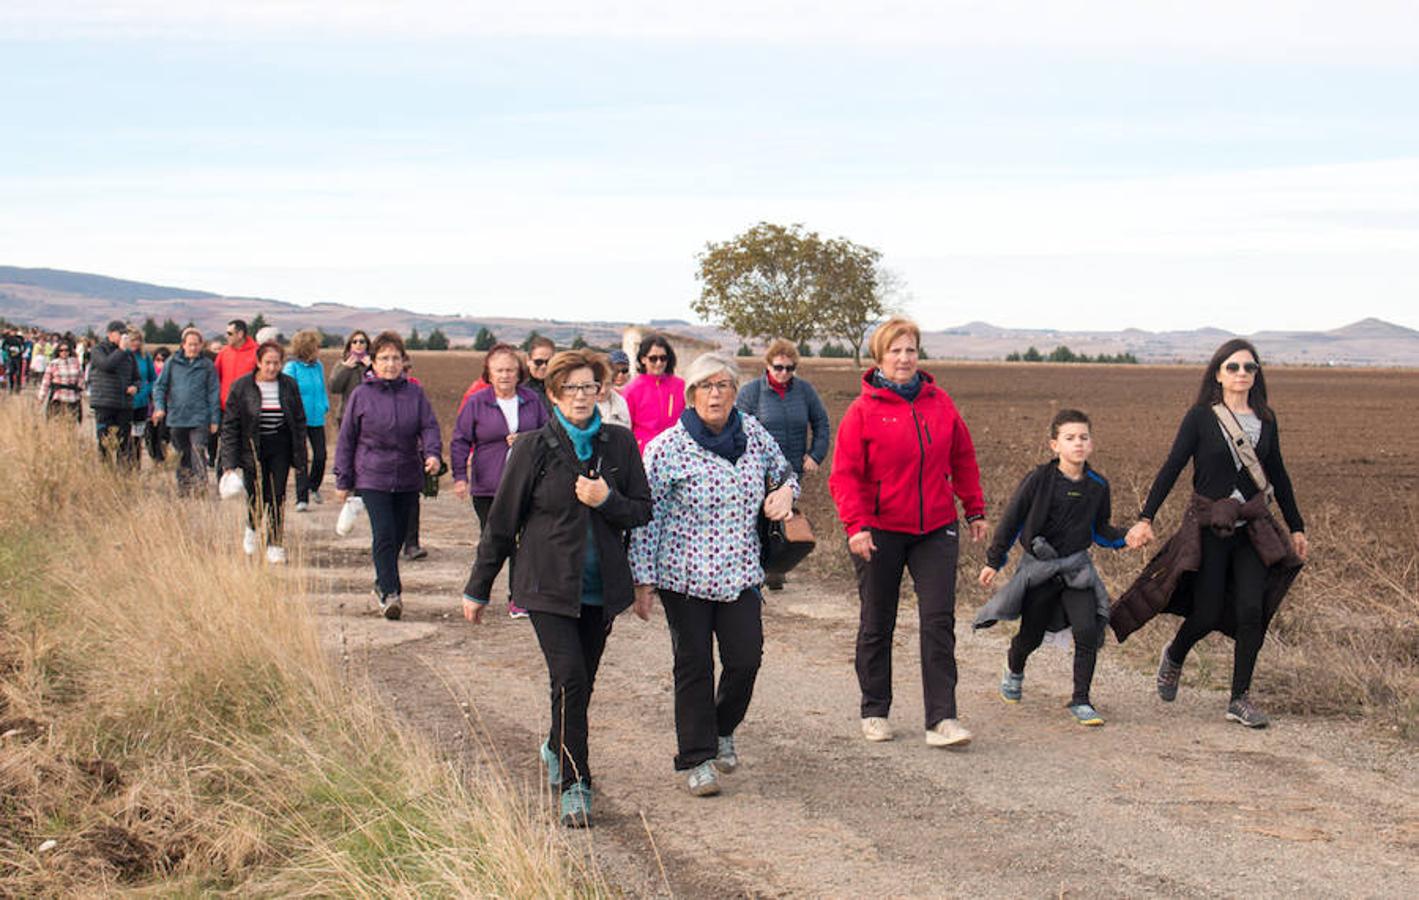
706 365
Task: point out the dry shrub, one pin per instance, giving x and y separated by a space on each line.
169 715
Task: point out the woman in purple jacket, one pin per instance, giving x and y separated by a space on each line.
389 439
487 425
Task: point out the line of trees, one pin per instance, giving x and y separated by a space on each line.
1065 355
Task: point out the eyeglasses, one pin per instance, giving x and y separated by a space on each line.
539 362
791 367
1250 368
587 388
715 387
658 357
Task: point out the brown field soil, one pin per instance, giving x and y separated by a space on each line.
1163 799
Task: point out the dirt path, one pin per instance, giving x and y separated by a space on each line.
1162 800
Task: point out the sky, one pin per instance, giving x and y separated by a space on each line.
1057 164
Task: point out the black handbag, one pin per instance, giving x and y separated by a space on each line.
431 482
783 545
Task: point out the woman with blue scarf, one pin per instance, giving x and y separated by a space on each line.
569 495
709 476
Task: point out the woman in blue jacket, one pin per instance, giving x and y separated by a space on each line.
147 374
309 374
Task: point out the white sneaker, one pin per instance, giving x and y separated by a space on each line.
276 555
948 733
248 541
345 522
876 728
302 506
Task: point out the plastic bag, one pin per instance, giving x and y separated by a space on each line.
231 485
349 514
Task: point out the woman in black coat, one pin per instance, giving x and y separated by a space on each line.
264 435
1230 586
570 494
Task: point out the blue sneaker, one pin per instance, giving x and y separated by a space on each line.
1012 686
576 806
1085 714
553 764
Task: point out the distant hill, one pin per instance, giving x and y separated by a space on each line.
76 301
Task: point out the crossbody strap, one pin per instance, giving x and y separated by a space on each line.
1246 451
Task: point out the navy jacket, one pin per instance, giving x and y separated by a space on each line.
789 418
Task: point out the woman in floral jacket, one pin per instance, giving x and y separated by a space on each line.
709 476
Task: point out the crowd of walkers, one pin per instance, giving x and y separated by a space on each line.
603 491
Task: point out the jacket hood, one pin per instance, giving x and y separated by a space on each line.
928 384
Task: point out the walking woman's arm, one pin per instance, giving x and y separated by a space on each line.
346 443
1184 446
818 423
1276 472
628 507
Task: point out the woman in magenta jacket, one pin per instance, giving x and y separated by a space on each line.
903 459
657 396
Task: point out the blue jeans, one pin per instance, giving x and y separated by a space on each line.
389 524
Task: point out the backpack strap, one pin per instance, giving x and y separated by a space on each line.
1245 450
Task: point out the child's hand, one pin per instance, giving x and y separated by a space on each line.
987 575
1139 535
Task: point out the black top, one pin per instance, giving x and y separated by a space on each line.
242 433
1214 470
1070 515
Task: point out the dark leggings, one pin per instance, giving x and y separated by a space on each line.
315 436
1081 610
1227 561
481 505
264 500
572 648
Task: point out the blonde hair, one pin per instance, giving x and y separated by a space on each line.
888 332
305 345
565 363
780 347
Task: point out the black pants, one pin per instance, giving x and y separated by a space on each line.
73 410
1081 610
191 446
266 486
213 440
704 712
14 374
1227 561
931 558
481 505
114 425
389 523
411 531
572 648
305 483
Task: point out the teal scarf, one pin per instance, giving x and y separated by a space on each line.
581 437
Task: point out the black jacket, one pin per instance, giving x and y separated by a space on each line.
1028 510
536 511
111 371
1215 472
241 426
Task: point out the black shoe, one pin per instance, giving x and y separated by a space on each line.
773 582
1246 712
415 552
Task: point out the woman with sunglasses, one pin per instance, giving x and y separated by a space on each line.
349 372
1230 563
61 389
657 396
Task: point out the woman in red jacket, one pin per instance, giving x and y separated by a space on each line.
903 458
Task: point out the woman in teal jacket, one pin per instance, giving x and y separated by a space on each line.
305 368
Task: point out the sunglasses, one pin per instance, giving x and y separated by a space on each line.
622 370
791 367
1250 368
539 362
661 357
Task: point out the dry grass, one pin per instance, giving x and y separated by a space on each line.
169 717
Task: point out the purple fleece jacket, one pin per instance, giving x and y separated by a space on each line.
481 430
387 431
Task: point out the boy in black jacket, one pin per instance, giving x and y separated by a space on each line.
1058 510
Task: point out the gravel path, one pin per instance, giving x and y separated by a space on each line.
1167 800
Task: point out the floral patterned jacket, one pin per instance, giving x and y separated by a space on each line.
703 537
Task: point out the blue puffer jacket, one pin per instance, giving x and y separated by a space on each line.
788 418
310 378
187 392
147 374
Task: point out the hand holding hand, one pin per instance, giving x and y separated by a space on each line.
645 599
1139 535
473 612
778 505
592 491
987 575
862 545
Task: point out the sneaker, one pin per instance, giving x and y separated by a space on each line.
703 780
349 513
774 581
276 555
249 543
1169 674
316 498
415 552
947 733
391 607
876 728
1246 712
515 612
553 764
1012 686
302 506
727 760
576 806
1085 714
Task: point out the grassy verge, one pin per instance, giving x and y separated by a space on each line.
169 718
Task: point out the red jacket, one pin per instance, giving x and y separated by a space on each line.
900 466
232 364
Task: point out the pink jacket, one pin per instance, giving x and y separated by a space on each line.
656 402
